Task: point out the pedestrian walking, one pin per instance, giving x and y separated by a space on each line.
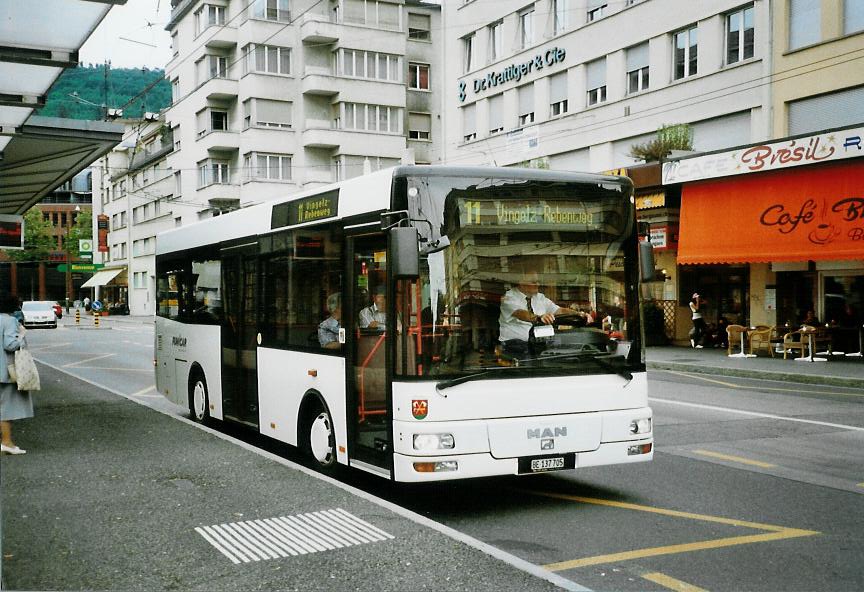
14 404
697 333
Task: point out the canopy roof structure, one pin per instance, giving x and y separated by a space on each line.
38 154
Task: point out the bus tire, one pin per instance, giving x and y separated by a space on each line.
199 398
319 437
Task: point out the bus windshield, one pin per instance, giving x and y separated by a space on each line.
522 276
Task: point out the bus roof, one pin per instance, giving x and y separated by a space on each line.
373 194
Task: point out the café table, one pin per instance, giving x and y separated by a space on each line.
860 352
809 357
742 354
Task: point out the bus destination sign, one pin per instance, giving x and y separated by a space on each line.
525 213
308 209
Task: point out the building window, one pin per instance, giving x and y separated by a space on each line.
175 91
526 27
596 81
468 51
178 184
558 103
369 64
419 27
266 113
805 22
209 16
596 10
495 108
739 35
469 123
139 279
175 134
418 76
271 10
419 126
175 44
560 15
686 52
526 104
212 120
212 172
853 16
267 167
267 59
496 41
637 68
384 15
211 66
374 118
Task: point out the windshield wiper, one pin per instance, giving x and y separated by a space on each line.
469 377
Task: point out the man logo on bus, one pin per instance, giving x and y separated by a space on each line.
420 408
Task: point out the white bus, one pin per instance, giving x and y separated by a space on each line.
380 323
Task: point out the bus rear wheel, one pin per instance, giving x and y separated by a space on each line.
320 444
199 400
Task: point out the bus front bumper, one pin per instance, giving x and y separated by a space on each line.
465 466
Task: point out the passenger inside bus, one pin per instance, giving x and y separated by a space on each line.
328 329
373 316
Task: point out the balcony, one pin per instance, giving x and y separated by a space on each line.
219 141
220 89
319 81
319 175
321 134
218 192
317 28
220 37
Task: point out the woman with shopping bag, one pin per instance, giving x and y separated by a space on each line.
14 403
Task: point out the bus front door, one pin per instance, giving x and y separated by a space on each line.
369 419
239 335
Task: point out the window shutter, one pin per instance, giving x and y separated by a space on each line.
805 22
637 57
526 99
837 109
496 112
420 122
469 119
596 74
558 87
273 111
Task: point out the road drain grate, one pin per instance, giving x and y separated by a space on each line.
289 536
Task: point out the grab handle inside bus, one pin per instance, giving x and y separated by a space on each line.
405 249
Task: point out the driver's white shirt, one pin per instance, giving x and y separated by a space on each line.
513 300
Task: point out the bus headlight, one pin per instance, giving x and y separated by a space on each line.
640 426
427 442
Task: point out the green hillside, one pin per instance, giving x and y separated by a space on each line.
88 82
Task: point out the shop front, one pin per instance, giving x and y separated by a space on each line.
771 244
111 288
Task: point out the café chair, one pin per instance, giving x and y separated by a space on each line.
734 333
760 337
796 340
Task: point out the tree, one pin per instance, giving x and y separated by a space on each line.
83 228
39 243
669 137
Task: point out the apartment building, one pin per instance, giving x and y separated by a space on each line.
271 96
574 84
135 197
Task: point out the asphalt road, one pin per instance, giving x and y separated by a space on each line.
755 485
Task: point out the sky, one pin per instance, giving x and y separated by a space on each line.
132 35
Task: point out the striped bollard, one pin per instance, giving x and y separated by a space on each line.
77 316
95 319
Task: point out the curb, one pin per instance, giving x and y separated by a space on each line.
761 374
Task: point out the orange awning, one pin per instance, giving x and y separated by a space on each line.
808 213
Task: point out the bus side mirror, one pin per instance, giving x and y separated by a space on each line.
646 261
405 250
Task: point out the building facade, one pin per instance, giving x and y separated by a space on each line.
272 96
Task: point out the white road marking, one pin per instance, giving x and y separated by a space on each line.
84 361
143 391
257 540
757 414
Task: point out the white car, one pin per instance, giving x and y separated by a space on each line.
39 314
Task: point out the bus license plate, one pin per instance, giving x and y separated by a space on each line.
547 463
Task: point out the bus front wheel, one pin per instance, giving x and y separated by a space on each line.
199 401
320 444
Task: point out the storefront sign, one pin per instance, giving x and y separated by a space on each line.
830 146
663 238
512 73
646 202
79 267
11 232
102 232
805 214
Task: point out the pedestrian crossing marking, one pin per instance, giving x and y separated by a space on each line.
290 536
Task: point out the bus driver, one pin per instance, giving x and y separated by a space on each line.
373 316
523 306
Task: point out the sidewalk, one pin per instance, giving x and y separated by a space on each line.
845 372
113 495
